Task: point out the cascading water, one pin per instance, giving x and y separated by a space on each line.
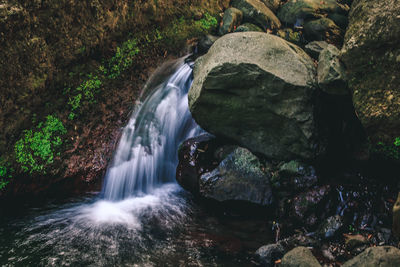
147 153
142 217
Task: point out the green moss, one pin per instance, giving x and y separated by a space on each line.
37 148
5 173
390 151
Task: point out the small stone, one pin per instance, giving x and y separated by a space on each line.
257 12
331 227
354 241
315 48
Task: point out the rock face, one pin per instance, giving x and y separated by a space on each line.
256 89
257 12
299 257
331 72
376 257
314 48
238 177
232 19
371 53
309 9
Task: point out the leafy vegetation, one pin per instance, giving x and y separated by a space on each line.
37 148
391 151
5 174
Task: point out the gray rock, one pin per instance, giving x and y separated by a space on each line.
354 241
269 254
314 48
232 19
238 177
376 257
256 89
257 12
331 72
299 257
371 53
309 9
331 226
205 43
272 4
290 35
248 27
294 176
323 29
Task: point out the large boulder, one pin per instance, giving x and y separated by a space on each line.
299 257
237 178
232 19
256 89
371 53
269 254
323 29
295 10
376 257
257 12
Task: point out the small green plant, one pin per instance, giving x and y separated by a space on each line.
396 142
207 23
5 176
391 151
84 92
122 59
38 146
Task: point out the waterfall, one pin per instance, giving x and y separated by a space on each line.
146 156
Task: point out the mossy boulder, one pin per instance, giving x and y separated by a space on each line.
299 257
257 12
323 29
309 9
232 19
371 53
248 27
256 89
385 256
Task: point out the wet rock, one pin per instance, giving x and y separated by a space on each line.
294 176
232 19
309 9
259 88
257 12
269 254
299 240
331 227
376 257
237 177
341 20
248 27
205 43
323 29
314 48
331 72
196 156
290 35
299 257
307 203
370 52
396 217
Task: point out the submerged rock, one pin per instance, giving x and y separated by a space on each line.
309 9
371 53
299 257
269 254
323 29
237 177
314 48
331 72
248 27
257 12
376 257
232 19
256 89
